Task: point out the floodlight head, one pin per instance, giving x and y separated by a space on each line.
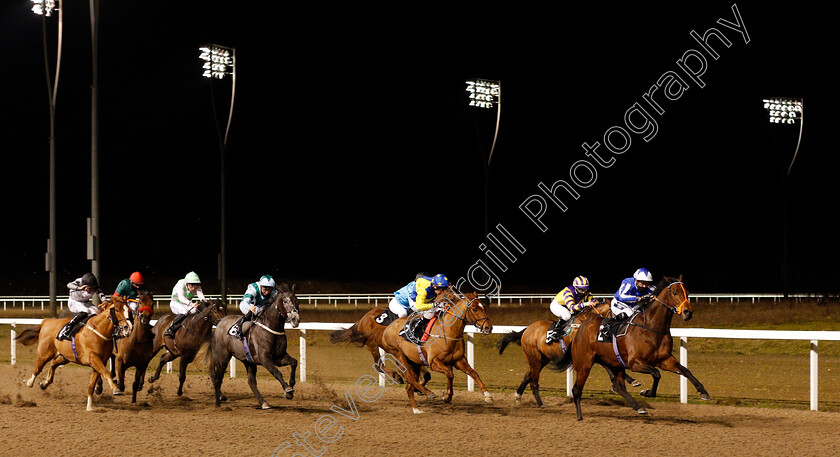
783 110
483 93
219 61
44 7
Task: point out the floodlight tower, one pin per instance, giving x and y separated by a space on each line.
220 63
486 94
45 8
787 112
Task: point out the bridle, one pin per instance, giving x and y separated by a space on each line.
115 321
469 313
281 310
677 309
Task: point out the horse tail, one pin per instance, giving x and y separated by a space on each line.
348 335
563 362
29 336
512 337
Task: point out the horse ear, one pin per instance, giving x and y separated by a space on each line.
681 278
293 287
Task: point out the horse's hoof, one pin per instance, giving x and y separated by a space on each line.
117 393
152 379
635 383
265 406
222 398
517 399
705 397
431 396
642 411
647 393
488 398
290 395
417 411
98 389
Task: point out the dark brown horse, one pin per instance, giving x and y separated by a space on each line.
368 331
645 346
193 333
267 345
137 349
538 354
444 349
91 346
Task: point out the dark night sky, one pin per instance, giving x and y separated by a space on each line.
353 155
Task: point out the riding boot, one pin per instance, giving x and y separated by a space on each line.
175 325
70 328
553 333
236 329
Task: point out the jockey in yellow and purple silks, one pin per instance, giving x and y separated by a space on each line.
571 300
421 299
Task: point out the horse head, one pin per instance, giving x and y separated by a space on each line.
673 295
468 308
288 304
214 311
145 308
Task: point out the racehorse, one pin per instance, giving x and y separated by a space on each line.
368 331
195 330
538 354
137 349
445 347
91 346
646 345
264 344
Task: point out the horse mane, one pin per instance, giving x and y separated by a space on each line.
665 282
284 287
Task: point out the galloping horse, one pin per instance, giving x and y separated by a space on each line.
137 349
91 346
538 354
266 346
445 347
196 329
368 331
646 345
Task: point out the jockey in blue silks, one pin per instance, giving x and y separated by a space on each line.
631 295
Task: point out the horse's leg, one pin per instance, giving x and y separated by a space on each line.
409 389
650 393
217 374
292 363
97 364
618 386
633 381
42 360
412 378
164 359
119 367
381 368
463 365
94 377
56 362
583 365
137 385
252 382
182 372
290 391
671 364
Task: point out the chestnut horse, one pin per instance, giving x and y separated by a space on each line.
538 354
91 346
646 345
195 330
445 347
368 331
137 349
266 346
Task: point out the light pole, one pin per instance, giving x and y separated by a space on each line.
45 8
486 94
219 63
786 111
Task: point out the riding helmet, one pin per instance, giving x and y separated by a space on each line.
440 281
266 281
192 278
89 279
136 277
643 275
581 283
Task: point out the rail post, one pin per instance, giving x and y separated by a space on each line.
14 345
683 362
471 360
302 361
814 374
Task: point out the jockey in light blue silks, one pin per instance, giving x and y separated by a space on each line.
418 296
631 295
258 296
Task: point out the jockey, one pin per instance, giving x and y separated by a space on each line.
402 302
131 288
258 296
81 292
181 305
569 301
631 295
421 299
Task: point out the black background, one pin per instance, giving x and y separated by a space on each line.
353 155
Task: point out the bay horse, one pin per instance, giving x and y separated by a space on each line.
646 345
445 347
538 354
266 346
137 349
195 330
91 346
368 331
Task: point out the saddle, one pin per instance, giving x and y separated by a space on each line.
386 318
614 327
419 329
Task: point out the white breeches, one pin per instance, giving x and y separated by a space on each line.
618 307
397 308
81 307
180 308
559 310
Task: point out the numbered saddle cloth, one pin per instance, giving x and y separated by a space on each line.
386 317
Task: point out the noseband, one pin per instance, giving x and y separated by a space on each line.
678 309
